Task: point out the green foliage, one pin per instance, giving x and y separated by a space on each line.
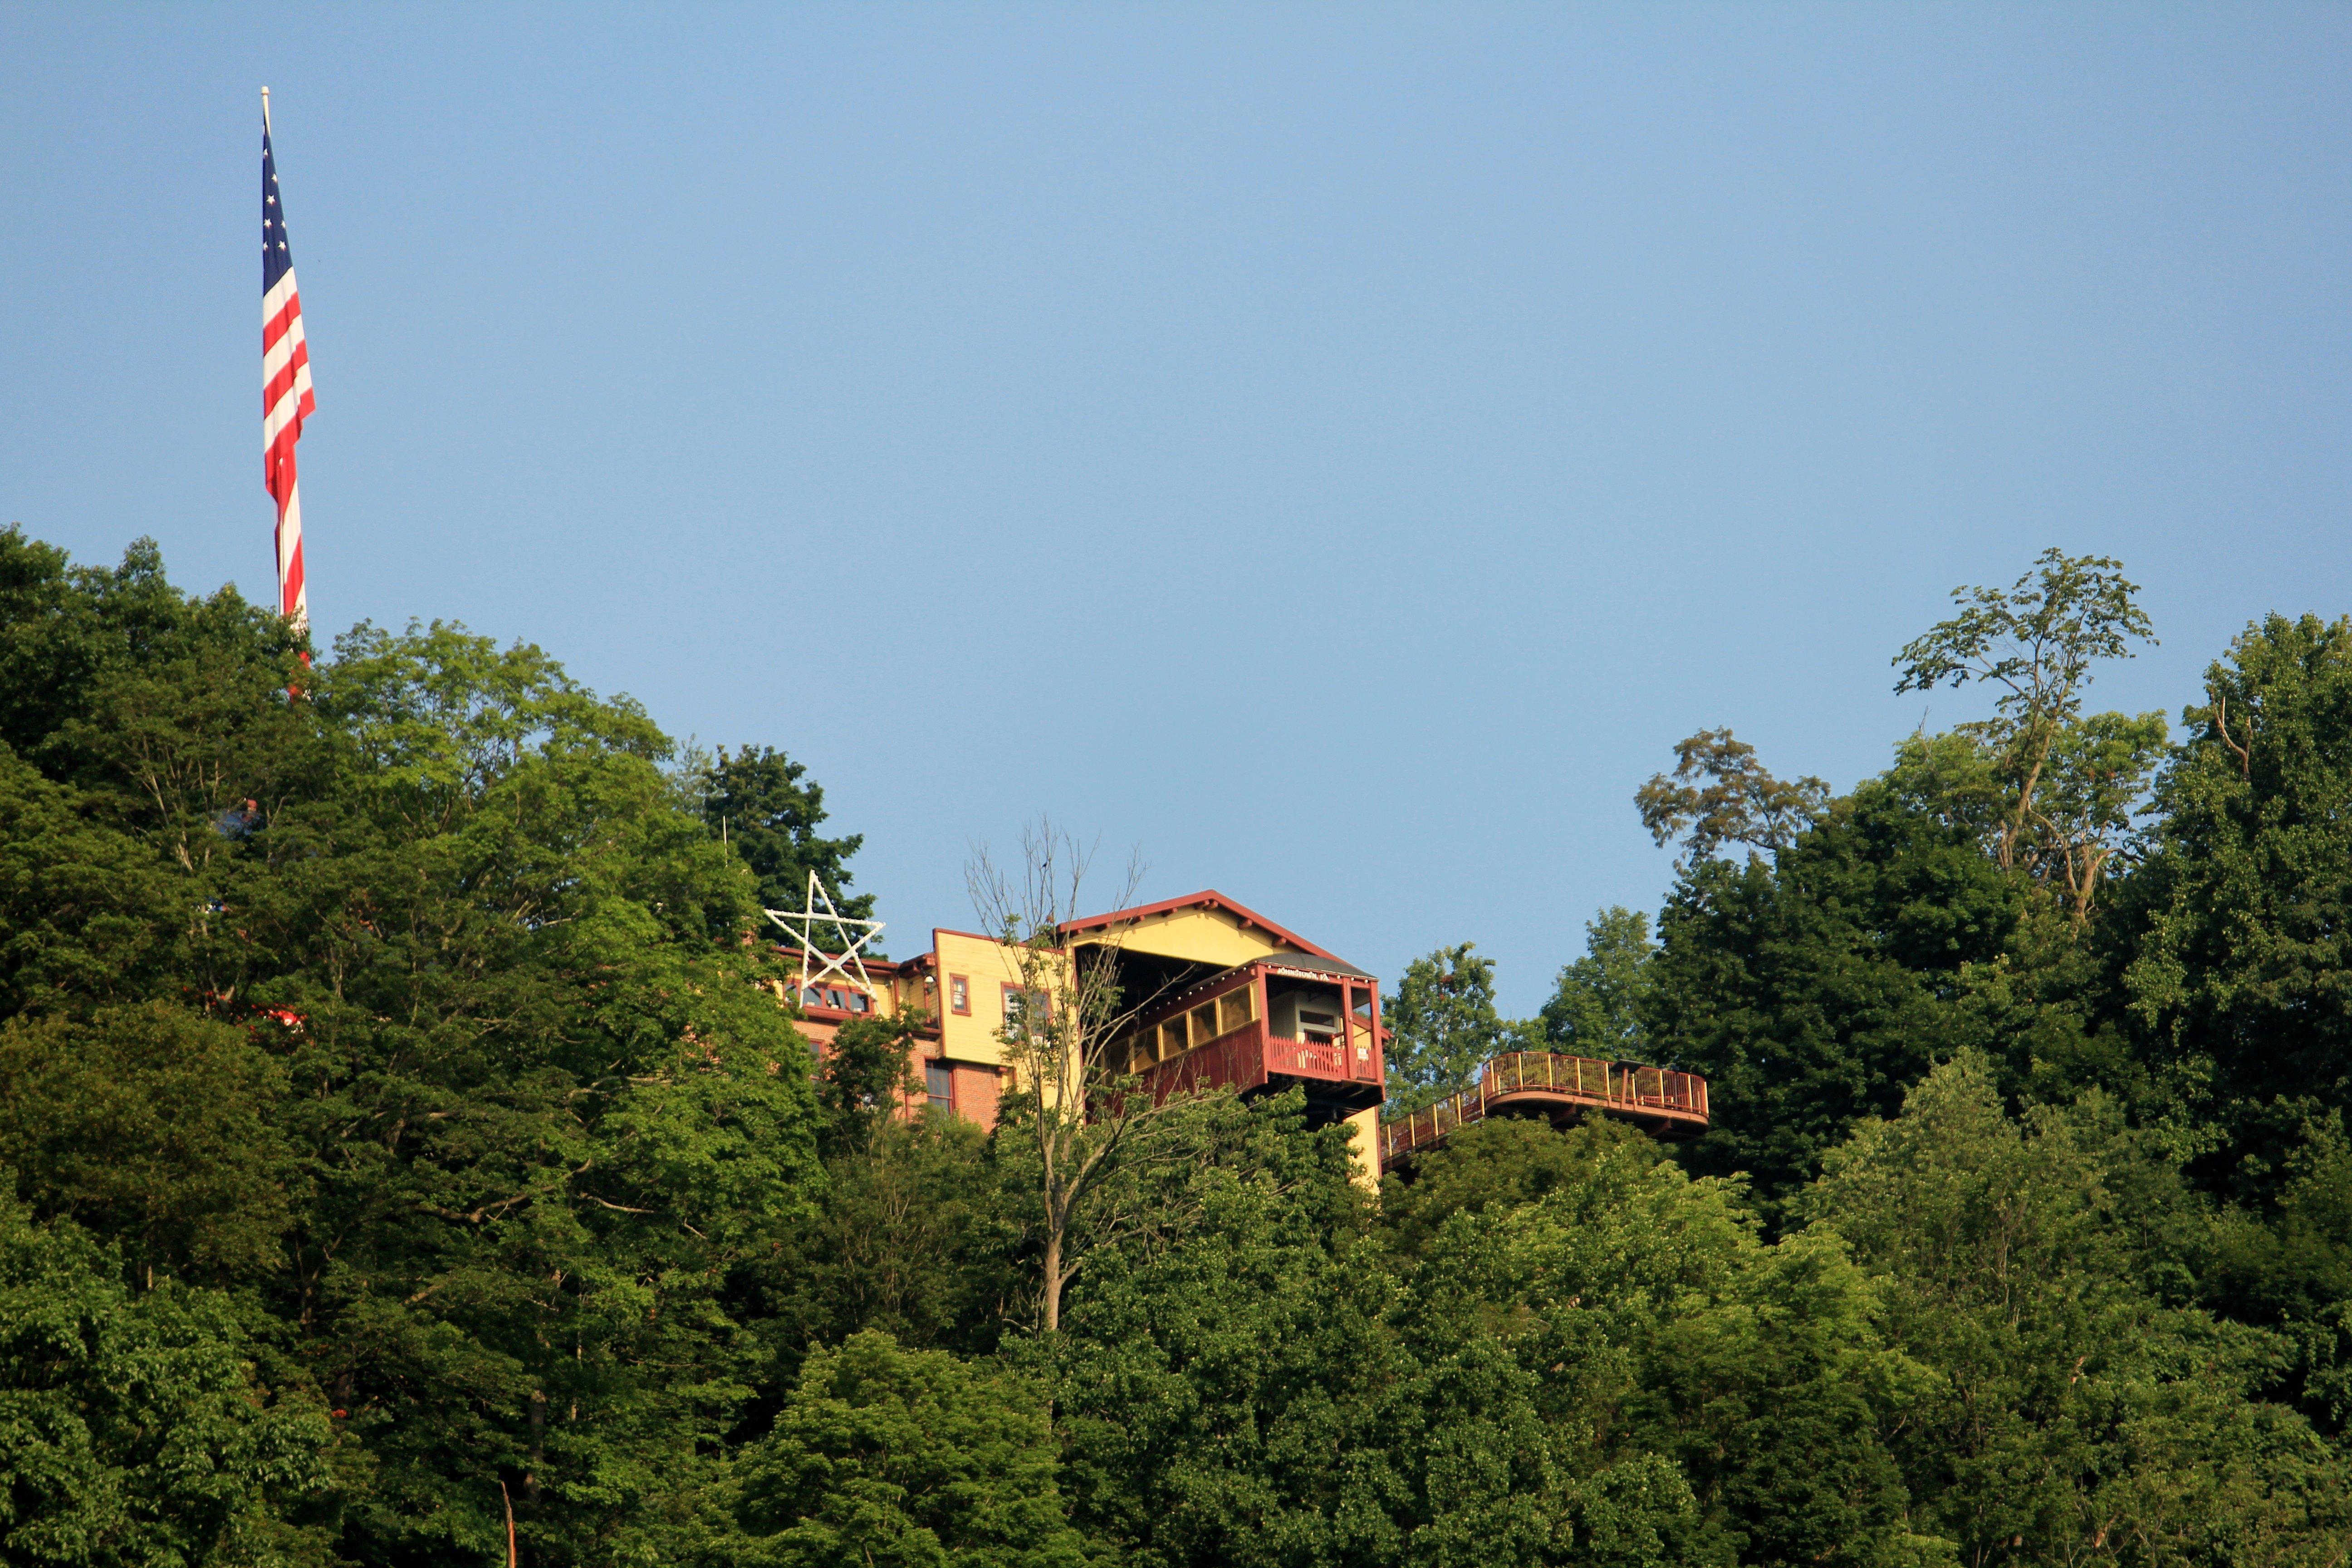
2241 968
887 1457
153 1126
84 909
1737 803
757 800
84 648
1647 1333
443 1052
913 1234
400 1118
866 1079
1498 1163
1442 1023
2073 1413
1214 1367
1595 1008
2062 787
2288 1265
1813 991
133 1431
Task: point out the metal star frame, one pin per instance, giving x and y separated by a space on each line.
802 928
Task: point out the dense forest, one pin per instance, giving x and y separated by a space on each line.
407 1165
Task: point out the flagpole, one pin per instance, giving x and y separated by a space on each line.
277 561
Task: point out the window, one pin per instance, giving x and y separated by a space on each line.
1234 1009
1021 1008
959 996
939 1081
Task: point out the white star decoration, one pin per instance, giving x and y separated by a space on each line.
802 927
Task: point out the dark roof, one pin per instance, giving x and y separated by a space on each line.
1297 962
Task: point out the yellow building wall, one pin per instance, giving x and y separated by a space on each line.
990 967
1364 1146
1198 936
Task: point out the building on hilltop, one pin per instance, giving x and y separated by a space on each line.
1222 997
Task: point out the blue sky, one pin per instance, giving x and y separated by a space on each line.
1336 449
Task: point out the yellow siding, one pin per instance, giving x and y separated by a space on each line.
1364 1144
1200 936
989 968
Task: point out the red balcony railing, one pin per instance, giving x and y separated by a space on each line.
1248 1057
1673 1104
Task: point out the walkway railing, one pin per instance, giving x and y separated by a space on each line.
1670 1102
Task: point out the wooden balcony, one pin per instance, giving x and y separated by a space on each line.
1338 1080
1663 1102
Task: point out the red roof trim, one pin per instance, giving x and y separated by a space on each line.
939 931
1207 899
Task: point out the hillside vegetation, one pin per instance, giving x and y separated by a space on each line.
402 1152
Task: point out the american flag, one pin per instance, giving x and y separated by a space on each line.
286 399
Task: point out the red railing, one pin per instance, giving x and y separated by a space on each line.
1306 1058
1246 1058
1671 1103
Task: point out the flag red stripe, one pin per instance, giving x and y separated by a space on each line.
274 327
277 466
282 384
290 592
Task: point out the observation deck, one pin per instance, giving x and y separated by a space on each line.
1293 1020
1661 1102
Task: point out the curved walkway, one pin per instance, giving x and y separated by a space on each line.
1664 1103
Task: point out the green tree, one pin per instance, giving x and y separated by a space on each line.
891 1458
1814 990
2241 970
1218 1373
1719 794
897 1238
135 1434
765 805
914 1235
1073 1130
1499 1164
154 1127
85 911
865 1081
2287 1265
2073 1414
453 1053
1625 1348
1442 1024
543 1108
1595 1007
2067 784
79 643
